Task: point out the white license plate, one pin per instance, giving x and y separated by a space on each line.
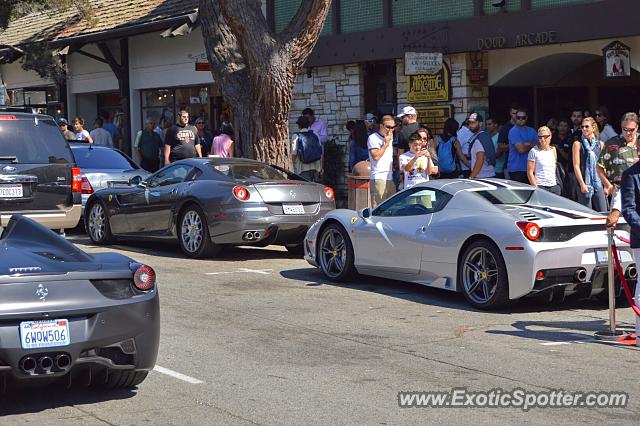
602 256
293 209
44 334
10 191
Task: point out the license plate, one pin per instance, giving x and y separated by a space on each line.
10 191
602 256
44 334
293 209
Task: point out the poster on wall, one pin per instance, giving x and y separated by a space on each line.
434 116
617 60
430 87
422 63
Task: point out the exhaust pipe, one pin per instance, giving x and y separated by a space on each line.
256 235
28 365
580 276
62 361
631 272
248 236
46 363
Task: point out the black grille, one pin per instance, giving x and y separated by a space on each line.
566 233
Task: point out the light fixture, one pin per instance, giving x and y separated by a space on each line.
500 3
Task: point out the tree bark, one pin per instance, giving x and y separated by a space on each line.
256 69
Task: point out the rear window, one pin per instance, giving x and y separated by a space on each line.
506 196
89 158
257 171
32 143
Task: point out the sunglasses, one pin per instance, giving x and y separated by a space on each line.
544 136
599 114
628 130
521 117
390 127
585 127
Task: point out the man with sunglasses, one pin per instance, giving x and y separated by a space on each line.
380 145
521 139
619 153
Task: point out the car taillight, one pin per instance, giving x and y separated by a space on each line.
76 182
144 278
328 192
241 193
7 117
530 230
85 186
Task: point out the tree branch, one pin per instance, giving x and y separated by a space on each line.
304 29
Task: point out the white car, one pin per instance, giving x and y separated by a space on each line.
493 240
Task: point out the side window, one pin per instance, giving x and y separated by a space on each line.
413 202
169 176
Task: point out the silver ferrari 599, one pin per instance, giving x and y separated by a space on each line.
493 240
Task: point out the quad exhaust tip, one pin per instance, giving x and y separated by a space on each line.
251 235
580 276
28 365
62 361
46 363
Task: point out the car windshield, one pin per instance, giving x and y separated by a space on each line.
33 141
249 171
89 158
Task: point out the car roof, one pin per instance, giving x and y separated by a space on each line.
487 184
220 160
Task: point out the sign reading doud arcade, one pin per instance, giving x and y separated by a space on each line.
434 87
617 60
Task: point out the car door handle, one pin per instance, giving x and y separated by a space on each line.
173 191
422 229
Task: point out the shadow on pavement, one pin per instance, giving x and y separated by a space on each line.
434 296
30 400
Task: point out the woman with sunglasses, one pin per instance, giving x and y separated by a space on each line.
541 163
585 153
605 129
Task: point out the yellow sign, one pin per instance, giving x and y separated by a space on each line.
354 220
430 87
110 197
434 116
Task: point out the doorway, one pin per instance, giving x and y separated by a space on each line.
380 95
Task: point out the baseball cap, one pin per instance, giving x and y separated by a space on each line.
370 118
408 110
474 116
62 120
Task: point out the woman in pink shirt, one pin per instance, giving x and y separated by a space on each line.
223 144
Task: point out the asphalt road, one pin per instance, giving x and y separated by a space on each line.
259 337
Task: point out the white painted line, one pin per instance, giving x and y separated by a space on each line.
242 270
570 342
177 375
218 273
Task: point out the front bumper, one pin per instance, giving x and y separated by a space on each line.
120 337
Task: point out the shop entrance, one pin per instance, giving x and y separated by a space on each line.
551 86
380 95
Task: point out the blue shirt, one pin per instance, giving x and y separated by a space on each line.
518 162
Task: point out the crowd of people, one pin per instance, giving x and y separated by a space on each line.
581 157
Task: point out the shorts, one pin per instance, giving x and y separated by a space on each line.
381 190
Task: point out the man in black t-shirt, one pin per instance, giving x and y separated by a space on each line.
409 117
181 141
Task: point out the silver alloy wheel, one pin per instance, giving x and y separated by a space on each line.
97 221
333 252
191 231
480 275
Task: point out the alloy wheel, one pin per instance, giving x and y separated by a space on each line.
333 252
191 231
480 275
97 222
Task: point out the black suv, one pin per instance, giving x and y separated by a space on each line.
38 175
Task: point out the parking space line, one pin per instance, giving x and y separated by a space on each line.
569 342
243 270
177 375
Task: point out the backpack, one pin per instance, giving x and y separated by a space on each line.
309 149
487 144
447 157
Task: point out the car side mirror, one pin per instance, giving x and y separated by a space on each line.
365 213
136 180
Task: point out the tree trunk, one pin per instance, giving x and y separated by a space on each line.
256 69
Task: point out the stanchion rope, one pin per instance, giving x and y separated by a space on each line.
623 280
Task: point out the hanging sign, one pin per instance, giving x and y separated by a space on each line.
430 87
422 63
617 60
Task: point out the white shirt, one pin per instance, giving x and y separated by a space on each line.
487 169
382 169
464 136
545 170
101 137
82 135
616 204
419 172
607 133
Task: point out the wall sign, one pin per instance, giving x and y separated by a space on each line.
416 63
434 116
617 60
430 87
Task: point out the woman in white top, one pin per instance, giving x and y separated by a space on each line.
602 118
81 134
416 163
541 167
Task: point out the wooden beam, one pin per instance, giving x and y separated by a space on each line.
111 61
92 56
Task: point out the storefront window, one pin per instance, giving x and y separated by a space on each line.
158 105
15 97
194 100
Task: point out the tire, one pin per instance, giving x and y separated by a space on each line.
119 379
295 249
193 233
97 223
482 276
335 253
